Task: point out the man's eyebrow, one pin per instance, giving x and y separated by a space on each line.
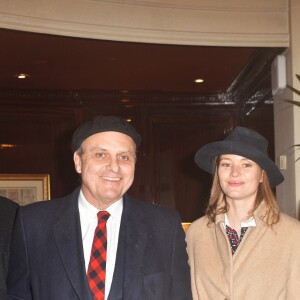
126 151
97 148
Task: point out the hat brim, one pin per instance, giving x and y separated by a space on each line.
204 158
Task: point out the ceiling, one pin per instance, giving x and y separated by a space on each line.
67 63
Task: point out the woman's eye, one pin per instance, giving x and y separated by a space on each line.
225 164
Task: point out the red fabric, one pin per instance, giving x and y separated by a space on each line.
97 264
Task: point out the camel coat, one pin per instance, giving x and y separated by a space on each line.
266 265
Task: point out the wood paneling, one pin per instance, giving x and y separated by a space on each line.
175 136
42 138
42 125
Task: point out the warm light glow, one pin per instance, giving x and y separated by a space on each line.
128 120
22 76
199 80
7 146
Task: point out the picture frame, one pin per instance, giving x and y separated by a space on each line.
25 188
185 226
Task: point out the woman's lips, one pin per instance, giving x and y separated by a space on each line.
235 183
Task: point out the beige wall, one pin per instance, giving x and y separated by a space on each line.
193 22
287 122
296 69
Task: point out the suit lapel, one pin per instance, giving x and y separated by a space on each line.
116 290
130 251
67 233
136 237
2 279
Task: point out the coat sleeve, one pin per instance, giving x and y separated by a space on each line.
18 282
293 282
181 283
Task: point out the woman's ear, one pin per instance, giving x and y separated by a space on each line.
262 176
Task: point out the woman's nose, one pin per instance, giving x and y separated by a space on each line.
235 171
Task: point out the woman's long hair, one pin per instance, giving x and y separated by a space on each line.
218 204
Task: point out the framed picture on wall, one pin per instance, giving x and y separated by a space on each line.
186 226
25 188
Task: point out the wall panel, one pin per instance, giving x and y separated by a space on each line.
42 138
42 127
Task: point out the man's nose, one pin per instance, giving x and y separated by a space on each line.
113 164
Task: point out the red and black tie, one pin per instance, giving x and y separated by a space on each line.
97 264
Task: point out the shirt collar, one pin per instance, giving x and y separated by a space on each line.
248 223
88 212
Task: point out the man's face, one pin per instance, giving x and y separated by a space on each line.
106 165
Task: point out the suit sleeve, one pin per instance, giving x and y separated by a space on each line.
181 283
18 282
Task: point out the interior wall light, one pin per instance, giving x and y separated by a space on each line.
7 146
199 80
22 75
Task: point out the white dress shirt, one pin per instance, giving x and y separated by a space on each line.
248 223
89 221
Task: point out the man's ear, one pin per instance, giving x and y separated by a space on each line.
77 162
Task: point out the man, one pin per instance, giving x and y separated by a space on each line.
142 246
8 210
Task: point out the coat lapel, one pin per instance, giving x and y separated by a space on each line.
224 252
230 262
252 237
67 233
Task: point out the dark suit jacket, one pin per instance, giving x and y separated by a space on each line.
8 210
48 263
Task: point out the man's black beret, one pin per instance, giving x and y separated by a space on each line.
102 124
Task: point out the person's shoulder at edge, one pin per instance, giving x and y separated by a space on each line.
288 223
8 209
47 209
196 226
151 207
163 216
4 202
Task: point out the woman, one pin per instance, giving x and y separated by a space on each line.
243 248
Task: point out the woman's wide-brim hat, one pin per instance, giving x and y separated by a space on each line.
243 142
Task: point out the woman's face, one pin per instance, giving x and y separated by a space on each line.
239 177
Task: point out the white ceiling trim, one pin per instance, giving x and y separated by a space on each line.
138 23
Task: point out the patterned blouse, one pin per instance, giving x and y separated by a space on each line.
233 237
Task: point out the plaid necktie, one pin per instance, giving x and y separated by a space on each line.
97 264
